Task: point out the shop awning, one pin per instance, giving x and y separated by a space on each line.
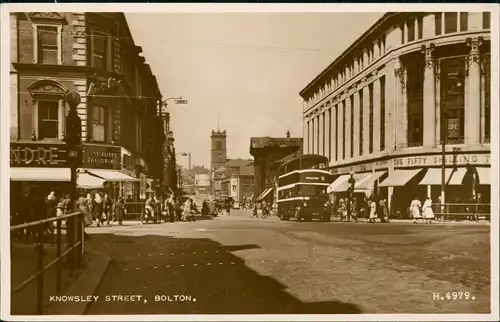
433 177
338 182
458 176
368 181
263 192
399 178
112 175
40 174
266 193
87 181
484 175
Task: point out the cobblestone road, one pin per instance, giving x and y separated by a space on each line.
247 266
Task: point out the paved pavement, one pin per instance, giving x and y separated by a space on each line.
244 265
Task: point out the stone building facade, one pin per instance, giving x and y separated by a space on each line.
53 53
385 105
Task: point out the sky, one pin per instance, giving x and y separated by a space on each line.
248 68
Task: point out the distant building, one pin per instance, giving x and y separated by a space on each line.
266 151
242 183
218 151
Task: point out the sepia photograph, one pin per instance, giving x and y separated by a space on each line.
249 162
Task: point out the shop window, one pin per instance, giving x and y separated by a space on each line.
415 90
48 119
100 50
351 99
343 130
438 23
486 20
98 124
487 98
361 124
410 25
452 98
464 21
48 45
382 113
450 22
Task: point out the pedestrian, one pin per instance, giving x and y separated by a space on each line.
178 209
372 206
384 212
107 209
84 209
98 209
119 210
171 208
354 210
187 210
415 210
427 212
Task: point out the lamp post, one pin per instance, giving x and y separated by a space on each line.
351 183
74 150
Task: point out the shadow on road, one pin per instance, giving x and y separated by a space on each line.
201 268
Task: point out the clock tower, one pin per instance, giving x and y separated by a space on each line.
218 152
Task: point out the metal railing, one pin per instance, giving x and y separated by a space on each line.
73 253
455 210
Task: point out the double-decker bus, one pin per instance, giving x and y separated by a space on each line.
302 184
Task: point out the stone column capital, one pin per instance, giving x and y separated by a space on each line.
427 51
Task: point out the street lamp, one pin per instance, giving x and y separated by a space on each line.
350 189
186 154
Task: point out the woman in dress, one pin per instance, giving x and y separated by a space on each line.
119 209
427 211
354 209
373 211
384 212
186 212
415 210
98 209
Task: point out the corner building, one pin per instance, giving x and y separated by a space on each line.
382 108
94 54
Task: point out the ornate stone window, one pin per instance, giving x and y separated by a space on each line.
48 99
47 37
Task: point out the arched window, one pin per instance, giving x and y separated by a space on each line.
48 98
218 145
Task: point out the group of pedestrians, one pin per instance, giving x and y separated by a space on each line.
421 212
350 210
172 209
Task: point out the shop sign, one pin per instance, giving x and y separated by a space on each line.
453 128
101 157
354 168
38 155
436 160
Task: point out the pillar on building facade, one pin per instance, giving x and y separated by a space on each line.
317 135
313 134
305 133
366 118
334 122
310 136
376 113
347 117
328 132
472 109
429 99
321 133
483 102
401 120
340 127
356 123
437 72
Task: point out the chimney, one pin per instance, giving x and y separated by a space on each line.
287 134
